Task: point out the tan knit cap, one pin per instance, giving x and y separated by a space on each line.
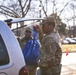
48 20
29 28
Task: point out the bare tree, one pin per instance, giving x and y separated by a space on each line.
58 11
15 9
64 7
73 7
43 8
21 8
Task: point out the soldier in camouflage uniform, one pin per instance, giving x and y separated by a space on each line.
51 52
28 36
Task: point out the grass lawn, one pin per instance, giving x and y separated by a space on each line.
69 47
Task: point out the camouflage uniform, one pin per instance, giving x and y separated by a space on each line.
24 39
50 55
22 42
31 68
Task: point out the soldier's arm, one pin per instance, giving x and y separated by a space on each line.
40 32
41 35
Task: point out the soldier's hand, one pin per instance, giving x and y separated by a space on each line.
38 28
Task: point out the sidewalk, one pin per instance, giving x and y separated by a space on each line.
66 70
68 64
69 69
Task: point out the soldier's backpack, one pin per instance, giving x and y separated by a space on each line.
31 51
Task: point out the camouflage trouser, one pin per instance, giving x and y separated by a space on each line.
50 71
32 70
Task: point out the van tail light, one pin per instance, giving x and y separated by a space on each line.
23 71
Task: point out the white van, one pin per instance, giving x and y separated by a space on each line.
11 57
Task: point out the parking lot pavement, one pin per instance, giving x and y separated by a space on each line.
68 64
69 69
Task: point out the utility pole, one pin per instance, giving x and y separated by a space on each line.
46 6
40 7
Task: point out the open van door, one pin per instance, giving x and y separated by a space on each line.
11 57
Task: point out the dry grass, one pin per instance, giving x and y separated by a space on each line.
69 47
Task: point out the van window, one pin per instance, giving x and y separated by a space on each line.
4 58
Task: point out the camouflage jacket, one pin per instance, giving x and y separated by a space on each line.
22 42
51 51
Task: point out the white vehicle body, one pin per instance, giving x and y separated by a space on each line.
12 60
70 40
65 41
